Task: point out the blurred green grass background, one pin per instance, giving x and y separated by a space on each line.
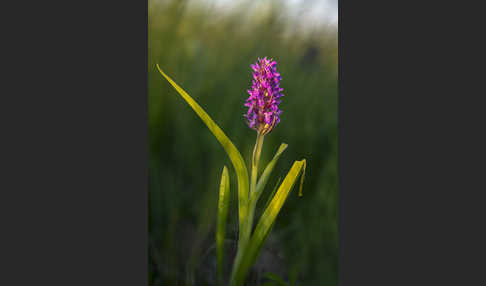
208 53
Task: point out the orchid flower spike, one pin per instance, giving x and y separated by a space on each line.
265 93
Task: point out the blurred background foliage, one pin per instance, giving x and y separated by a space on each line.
208 52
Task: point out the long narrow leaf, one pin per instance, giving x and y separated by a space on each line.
229 147
265 223
269 199
254 196
223 203
262 182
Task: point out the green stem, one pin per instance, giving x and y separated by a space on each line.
257 151
245 237
254 165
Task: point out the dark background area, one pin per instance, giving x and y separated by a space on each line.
208 53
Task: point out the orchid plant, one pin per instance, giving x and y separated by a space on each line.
263 116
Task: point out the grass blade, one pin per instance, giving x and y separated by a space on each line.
223 204
229 147
274 277
265 223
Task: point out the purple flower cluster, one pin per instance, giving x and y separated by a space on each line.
265 93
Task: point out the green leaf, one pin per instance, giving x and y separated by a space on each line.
262 182
275 278
223 203
229 147
265 224
272 193
302 179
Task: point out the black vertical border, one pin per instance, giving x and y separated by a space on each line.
411 152
74 145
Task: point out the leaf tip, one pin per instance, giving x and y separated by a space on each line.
282 148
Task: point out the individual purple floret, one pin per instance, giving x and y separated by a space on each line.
263 113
